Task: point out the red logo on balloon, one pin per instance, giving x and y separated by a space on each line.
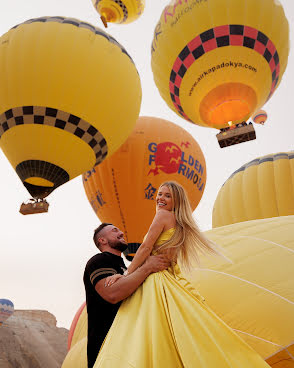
167 158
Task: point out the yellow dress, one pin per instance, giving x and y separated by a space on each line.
165 323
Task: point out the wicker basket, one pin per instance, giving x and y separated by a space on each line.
236 136
34 206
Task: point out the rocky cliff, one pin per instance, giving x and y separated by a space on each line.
30 339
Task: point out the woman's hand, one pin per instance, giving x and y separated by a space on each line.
110 280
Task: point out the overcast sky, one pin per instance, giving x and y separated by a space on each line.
43 256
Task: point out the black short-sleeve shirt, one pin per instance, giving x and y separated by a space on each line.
100 312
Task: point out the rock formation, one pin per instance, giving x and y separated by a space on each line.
30 339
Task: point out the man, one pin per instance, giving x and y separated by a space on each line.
102 300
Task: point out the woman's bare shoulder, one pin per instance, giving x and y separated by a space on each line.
164 213
167 217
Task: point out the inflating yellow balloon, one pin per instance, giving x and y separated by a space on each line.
216 61
77 355
81 328
119 11
73 334
63 100
262 188
254 295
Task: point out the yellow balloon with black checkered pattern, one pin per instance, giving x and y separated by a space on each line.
119 11
219 61
63 101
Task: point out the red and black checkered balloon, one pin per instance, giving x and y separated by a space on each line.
216 62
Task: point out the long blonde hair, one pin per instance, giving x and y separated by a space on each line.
187 241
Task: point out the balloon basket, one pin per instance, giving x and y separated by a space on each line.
235 135
34 206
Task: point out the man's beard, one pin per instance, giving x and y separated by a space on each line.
118 245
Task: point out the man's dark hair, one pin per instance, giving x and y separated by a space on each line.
97 231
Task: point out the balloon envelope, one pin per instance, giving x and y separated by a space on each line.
77 355
122 190
6 310
261 188
63 106
219 60
120 12
74 328
260 117
254 295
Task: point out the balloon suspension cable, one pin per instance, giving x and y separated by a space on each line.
104 21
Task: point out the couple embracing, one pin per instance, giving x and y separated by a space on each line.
148 315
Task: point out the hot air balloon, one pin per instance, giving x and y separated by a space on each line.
77 355
77 340
6 310
63 106
74 328
260 117
122 190
119 11
219 61
261 188
254 295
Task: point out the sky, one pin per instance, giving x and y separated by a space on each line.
42 257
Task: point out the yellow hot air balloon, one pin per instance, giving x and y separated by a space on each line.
77 341
122 189
75 327
63 101
254 295
219 61
262 188
260 117
119 11
77 355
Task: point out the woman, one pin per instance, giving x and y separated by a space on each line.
166 323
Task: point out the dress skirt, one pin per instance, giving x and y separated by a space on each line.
166 323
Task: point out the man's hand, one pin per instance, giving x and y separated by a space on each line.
156 263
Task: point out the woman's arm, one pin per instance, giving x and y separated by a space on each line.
125 286
145 248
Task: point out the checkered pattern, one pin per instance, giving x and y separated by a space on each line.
121 5
124 9
58 119
227 35
79 24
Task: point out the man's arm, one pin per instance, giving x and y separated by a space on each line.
125 286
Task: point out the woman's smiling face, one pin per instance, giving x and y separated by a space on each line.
164 199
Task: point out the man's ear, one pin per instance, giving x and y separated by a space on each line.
102 240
